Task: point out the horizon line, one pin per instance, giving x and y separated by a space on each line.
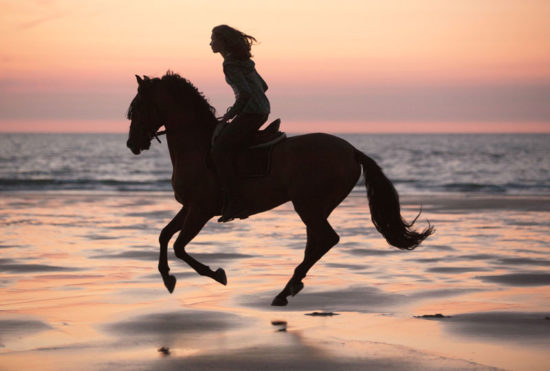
298 127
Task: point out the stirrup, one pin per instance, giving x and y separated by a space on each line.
244 214
228 215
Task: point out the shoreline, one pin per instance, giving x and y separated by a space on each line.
451 198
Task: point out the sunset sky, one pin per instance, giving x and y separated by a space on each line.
338 66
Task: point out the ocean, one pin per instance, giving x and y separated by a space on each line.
507 164
80 217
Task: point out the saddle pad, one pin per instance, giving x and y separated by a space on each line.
254 163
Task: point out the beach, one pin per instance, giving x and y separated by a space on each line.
107 107
80 287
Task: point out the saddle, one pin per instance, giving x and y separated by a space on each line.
255 160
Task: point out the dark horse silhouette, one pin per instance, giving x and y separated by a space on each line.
314 171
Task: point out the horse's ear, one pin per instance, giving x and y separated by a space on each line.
139 80
146 77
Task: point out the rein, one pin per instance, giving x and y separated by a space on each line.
156 135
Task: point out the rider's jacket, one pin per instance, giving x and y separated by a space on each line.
248 86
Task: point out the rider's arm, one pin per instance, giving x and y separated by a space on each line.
241 88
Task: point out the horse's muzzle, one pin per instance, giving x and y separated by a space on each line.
135 150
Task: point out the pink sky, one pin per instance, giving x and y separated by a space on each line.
367 66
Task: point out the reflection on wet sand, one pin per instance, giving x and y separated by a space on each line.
80 288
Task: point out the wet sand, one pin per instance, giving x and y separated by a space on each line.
80 289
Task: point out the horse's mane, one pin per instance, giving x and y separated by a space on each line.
180 88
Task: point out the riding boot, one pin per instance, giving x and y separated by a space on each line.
233 204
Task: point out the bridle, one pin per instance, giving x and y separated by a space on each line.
158 118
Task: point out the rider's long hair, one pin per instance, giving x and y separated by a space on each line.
235 42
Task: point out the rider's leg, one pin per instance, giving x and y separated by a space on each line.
232 139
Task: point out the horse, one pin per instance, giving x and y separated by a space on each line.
315 172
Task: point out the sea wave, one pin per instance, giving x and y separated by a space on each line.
494 164
83 184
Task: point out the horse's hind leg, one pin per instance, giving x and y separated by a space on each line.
164 238
194 221
320 239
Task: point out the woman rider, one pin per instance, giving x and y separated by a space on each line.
247 115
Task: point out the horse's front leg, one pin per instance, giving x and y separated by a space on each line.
164 238
194 221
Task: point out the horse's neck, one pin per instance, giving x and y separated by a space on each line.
189 141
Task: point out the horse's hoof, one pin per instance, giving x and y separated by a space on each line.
220 276
296 288
279 301
169 282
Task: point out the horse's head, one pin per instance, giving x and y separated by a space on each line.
144 116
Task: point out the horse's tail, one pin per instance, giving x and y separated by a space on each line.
385 209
